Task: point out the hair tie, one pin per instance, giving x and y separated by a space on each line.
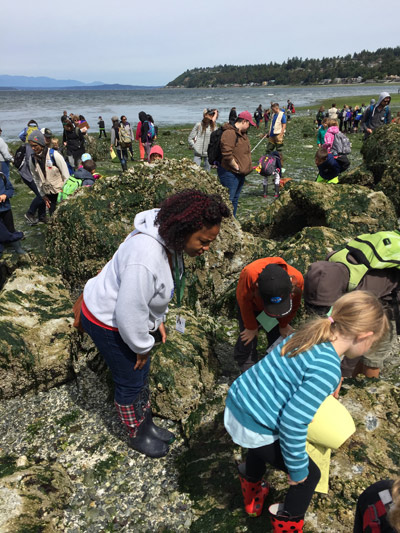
331 319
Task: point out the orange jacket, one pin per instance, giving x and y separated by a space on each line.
248 298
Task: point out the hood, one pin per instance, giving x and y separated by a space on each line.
83 174
333 129
228 126
144 222
381 97
142 116
157 150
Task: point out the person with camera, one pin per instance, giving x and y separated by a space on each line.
199 137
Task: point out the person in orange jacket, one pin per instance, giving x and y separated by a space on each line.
272 286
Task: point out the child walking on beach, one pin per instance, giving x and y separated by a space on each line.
269 407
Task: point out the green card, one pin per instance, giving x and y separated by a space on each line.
267 322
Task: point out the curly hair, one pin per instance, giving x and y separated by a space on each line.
186 212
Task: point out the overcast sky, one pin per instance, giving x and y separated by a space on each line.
150 42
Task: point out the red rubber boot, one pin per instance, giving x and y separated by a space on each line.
254 493
284 524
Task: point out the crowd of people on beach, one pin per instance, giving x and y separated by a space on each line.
271 404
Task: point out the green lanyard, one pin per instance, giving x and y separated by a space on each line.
179 280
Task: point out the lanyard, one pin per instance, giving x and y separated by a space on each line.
179 278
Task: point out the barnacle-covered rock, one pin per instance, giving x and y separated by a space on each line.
35 328
348 209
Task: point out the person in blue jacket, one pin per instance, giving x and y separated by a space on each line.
8 233
328 167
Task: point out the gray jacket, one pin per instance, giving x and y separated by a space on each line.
199 140
4 153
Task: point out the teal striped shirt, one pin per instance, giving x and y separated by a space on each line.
280 396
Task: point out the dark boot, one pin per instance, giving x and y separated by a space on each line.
17 247
141 438
254 492
124 167
265 190
156 431
280 522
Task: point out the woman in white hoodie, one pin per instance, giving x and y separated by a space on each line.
128 299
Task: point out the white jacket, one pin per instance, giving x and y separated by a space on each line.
133 290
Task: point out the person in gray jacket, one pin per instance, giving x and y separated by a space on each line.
5 157
376 115
128 300
199 137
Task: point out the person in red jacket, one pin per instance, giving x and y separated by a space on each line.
272 286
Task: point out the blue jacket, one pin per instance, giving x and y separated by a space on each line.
7 189
329 169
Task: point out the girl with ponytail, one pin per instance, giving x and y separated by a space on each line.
269 407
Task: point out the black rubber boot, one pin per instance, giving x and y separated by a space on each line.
145 441
124 167
157 431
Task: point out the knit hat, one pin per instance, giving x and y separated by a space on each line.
37 137
85 157
115 118
275 288
325 282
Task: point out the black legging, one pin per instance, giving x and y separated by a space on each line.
298 496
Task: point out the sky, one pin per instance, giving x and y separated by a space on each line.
151 42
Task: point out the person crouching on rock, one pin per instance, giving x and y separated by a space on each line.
272 286
128 299
269 407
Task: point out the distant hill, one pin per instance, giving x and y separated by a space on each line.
40 82
383 64
21 83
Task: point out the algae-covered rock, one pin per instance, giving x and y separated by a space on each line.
381 168
88 228
348 209
184 368
309 245
35 328
32 498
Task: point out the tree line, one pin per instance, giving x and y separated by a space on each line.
366 65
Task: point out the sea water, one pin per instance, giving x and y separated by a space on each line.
167 106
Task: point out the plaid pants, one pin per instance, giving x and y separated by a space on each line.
133 415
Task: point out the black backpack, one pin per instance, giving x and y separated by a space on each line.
214 148
19 156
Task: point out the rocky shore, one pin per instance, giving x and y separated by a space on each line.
64 462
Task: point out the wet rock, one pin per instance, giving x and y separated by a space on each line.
35 328
32 499
381 168
345 208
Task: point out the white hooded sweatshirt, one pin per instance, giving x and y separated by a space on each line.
133 290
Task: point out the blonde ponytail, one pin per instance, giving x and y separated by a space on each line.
354 313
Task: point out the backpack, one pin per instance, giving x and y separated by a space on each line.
214 148
70 186
124 138
267 165
372 251
151 132
19 156
341 144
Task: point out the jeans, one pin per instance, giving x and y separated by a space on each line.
298 497
198 159
120 359
37 203
122 154
234 183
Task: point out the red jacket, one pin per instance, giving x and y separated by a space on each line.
249 300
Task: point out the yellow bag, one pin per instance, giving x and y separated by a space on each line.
113 154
